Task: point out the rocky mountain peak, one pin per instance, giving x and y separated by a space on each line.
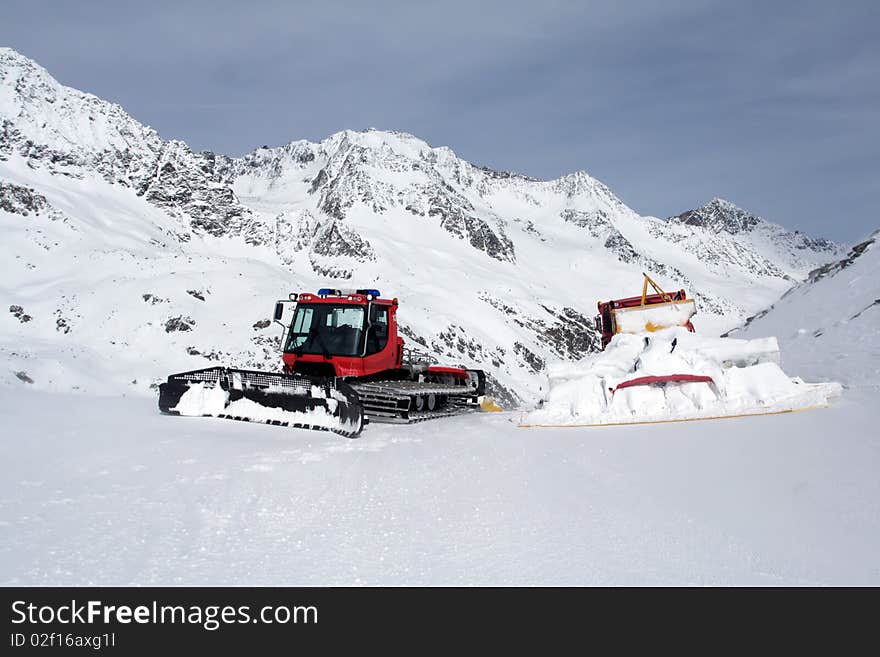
14 64
60 126
719 214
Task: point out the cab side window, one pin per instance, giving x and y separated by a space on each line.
377 338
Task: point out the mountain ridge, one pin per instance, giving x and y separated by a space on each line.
492 268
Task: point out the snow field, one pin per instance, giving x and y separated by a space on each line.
108 491
830 328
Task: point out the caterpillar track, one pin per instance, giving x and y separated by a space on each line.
406 402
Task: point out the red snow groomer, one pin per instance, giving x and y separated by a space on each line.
343 360
645 313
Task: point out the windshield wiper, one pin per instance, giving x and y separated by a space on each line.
315 333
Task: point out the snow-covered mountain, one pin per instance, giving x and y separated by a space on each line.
829 326
768 246
129 256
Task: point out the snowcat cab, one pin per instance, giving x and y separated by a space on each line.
644 313
341 334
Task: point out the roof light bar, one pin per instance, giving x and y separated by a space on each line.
334 292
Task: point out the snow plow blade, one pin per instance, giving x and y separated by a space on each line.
290 400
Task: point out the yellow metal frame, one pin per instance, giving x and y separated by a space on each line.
657 289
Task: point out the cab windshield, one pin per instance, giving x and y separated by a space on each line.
324 328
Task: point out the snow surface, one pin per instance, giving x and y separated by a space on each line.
829 326
746 378
108 491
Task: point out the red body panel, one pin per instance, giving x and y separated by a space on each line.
630 302
666 378
457 372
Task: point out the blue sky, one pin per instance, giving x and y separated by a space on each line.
772 105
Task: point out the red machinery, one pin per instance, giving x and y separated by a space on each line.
647 312
662 379
343 359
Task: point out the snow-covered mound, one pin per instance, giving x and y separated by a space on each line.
829 326
605 388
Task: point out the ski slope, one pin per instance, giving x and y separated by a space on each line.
105 490
829 326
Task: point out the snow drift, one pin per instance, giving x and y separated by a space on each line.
745 378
